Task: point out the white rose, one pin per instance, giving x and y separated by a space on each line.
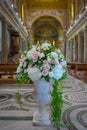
34 74
45 45
54 55
49 59
30 54
19 69
51 74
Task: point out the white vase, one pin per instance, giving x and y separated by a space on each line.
42 97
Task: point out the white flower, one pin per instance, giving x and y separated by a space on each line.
49 59
20 64
22 59
34 73
30 54
61 56
45 45
41 61
33 48
59 51
19 69
63 63
41 55
51 74
58 72
54 55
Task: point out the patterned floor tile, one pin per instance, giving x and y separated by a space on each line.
74 111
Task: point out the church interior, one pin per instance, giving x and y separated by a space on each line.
61 23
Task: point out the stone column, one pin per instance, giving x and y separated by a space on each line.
64 49
20 44
64 45
16 43
4 42
74 50
79 47
71 50
85 45
67 51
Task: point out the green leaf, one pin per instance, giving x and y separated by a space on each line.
56 103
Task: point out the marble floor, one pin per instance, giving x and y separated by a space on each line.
74 111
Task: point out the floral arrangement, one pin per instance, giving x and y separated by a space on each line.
41 62
44 61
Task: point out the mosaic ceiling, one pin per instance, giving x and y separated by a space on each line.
46 28
46 18
57 4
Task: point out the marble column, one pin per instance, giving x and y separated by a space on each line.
71 50
20 44
4 42
16 43
67 51
68 55
85 45
64 49
79 47
74 50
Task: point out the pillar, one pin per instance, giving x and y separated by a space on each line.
79 47
85 45
4 42
65 49
74 50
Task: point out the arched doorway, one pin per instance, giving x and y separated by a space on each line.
47 29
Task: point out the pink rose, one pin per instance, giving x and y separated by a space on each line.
35 58
45 62
46 66
45 72
38 54
55 62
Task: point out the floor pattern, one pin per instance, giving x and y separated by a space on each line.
74 111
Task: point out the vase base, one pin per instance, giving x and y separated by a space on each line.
41 119
36 123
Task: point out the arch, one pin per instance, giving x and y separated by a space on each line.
49 15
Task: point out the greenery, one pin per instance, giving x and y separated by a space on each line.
18 95
56 103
